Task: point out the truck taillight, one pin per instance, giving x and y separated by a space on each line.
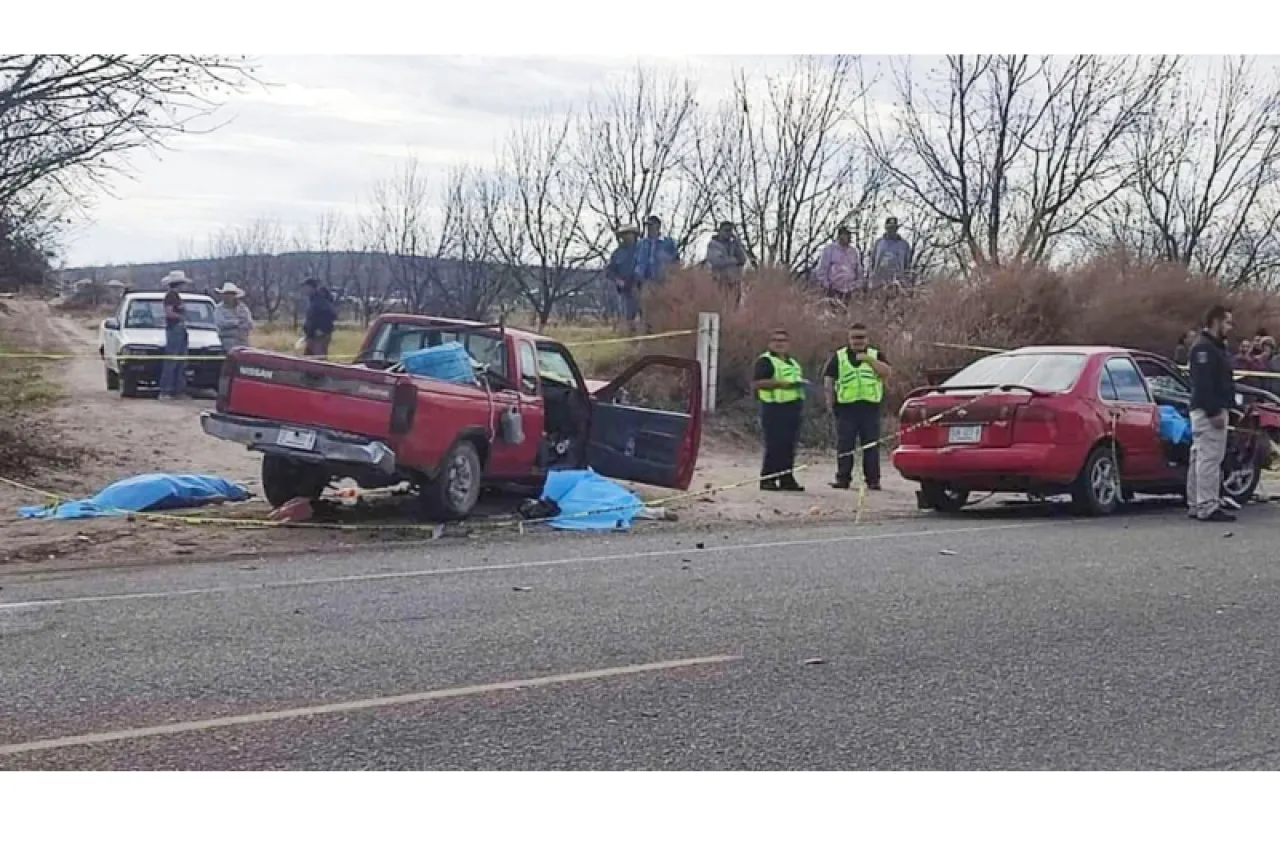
224 386
404 405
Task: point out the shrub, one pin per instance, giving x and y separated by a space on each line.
1110 300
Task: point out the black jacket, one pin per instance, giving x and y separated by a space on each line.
1213 389
321 315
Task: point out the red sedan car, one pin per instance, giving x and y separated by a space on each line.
1082 421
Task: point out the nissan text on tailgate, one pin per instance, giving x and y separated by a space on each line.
529 411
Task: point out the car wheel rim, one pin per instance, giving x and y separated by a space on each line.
460 481
1237 482
1103 482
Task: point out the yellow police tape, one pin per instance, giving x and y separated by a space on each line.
43 356
517 522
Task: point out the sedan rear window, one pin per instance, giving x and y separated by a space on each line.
1048 372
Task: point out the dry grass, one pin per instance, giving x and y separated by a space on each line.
1109 300
25 390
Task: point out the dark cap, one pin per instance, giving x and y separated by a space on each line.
726 224
892 220
653 220
311 282
842 230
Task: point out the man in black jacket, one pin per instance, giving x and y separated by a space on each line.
1213 393
317 328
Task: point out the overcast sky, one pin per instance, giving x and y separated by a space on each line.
328 127
325 128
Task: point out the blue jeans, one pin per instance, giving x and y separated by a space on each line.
173 374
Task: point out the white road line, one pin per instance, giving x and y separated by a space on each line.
500 567
357 705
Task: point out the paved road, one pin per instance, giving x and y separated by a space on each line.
993 642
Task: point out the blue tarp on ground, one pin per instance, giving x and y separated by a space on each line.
146 492
1174 426
590 502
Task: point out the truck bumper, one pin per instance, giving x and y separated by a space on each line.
201 374
327 446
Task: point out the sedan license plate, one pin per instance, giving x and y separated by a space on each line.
296 439
965 435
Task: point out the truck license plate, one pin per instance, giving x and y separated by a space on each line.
296 439
965 434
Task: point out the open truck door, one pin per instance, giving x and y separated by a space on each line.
633 437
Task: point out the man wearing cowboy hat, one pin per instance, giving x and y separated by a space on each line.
173 373
622 272
232 318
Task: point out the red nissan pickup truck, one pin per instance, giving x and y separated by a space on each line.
529 411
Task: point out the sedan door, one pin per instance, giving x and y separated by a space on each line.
1135 420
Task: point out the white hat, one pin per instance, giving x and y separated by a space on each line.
175 277
228 287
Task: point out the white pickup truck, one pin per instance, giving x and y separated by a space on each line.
137 329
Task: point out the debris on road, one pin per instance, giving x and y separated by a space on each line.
947 552
812 661
522 589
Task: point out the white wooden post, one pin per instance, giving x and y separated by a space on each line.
709 357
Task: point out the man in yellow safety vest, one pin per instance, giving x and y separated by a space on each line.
780 386
854 382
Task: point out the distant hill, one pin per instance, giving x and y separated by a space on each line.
366 281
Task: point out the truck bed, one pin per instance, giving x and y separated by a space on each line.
357 401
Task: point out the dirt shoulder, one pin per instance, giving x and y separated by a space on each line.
111 438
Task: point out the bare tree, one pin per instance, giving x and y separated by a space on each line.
786 163
633 145
249 256
537 210
1206 163
399 228
475 279
1013 152
67 120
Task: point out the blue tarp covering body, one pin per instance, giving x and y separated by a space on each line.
448 362
1174 427
590 502
146 492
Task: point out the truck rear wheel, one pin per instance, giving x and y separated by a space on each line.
283 480
452 494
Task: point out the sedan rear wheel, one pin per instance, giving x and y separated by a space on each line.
1097 491
944 497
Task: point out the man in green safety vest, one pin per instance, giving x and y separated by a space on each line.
854 382
780 386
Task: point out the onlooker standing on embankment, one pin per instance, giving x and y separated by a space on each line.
839 272
727 259
655 254
891 257
622 272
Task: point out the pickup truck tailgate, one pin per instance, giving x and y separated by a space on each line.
299 391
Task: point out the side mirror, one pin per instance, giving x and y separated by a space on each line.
111 323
